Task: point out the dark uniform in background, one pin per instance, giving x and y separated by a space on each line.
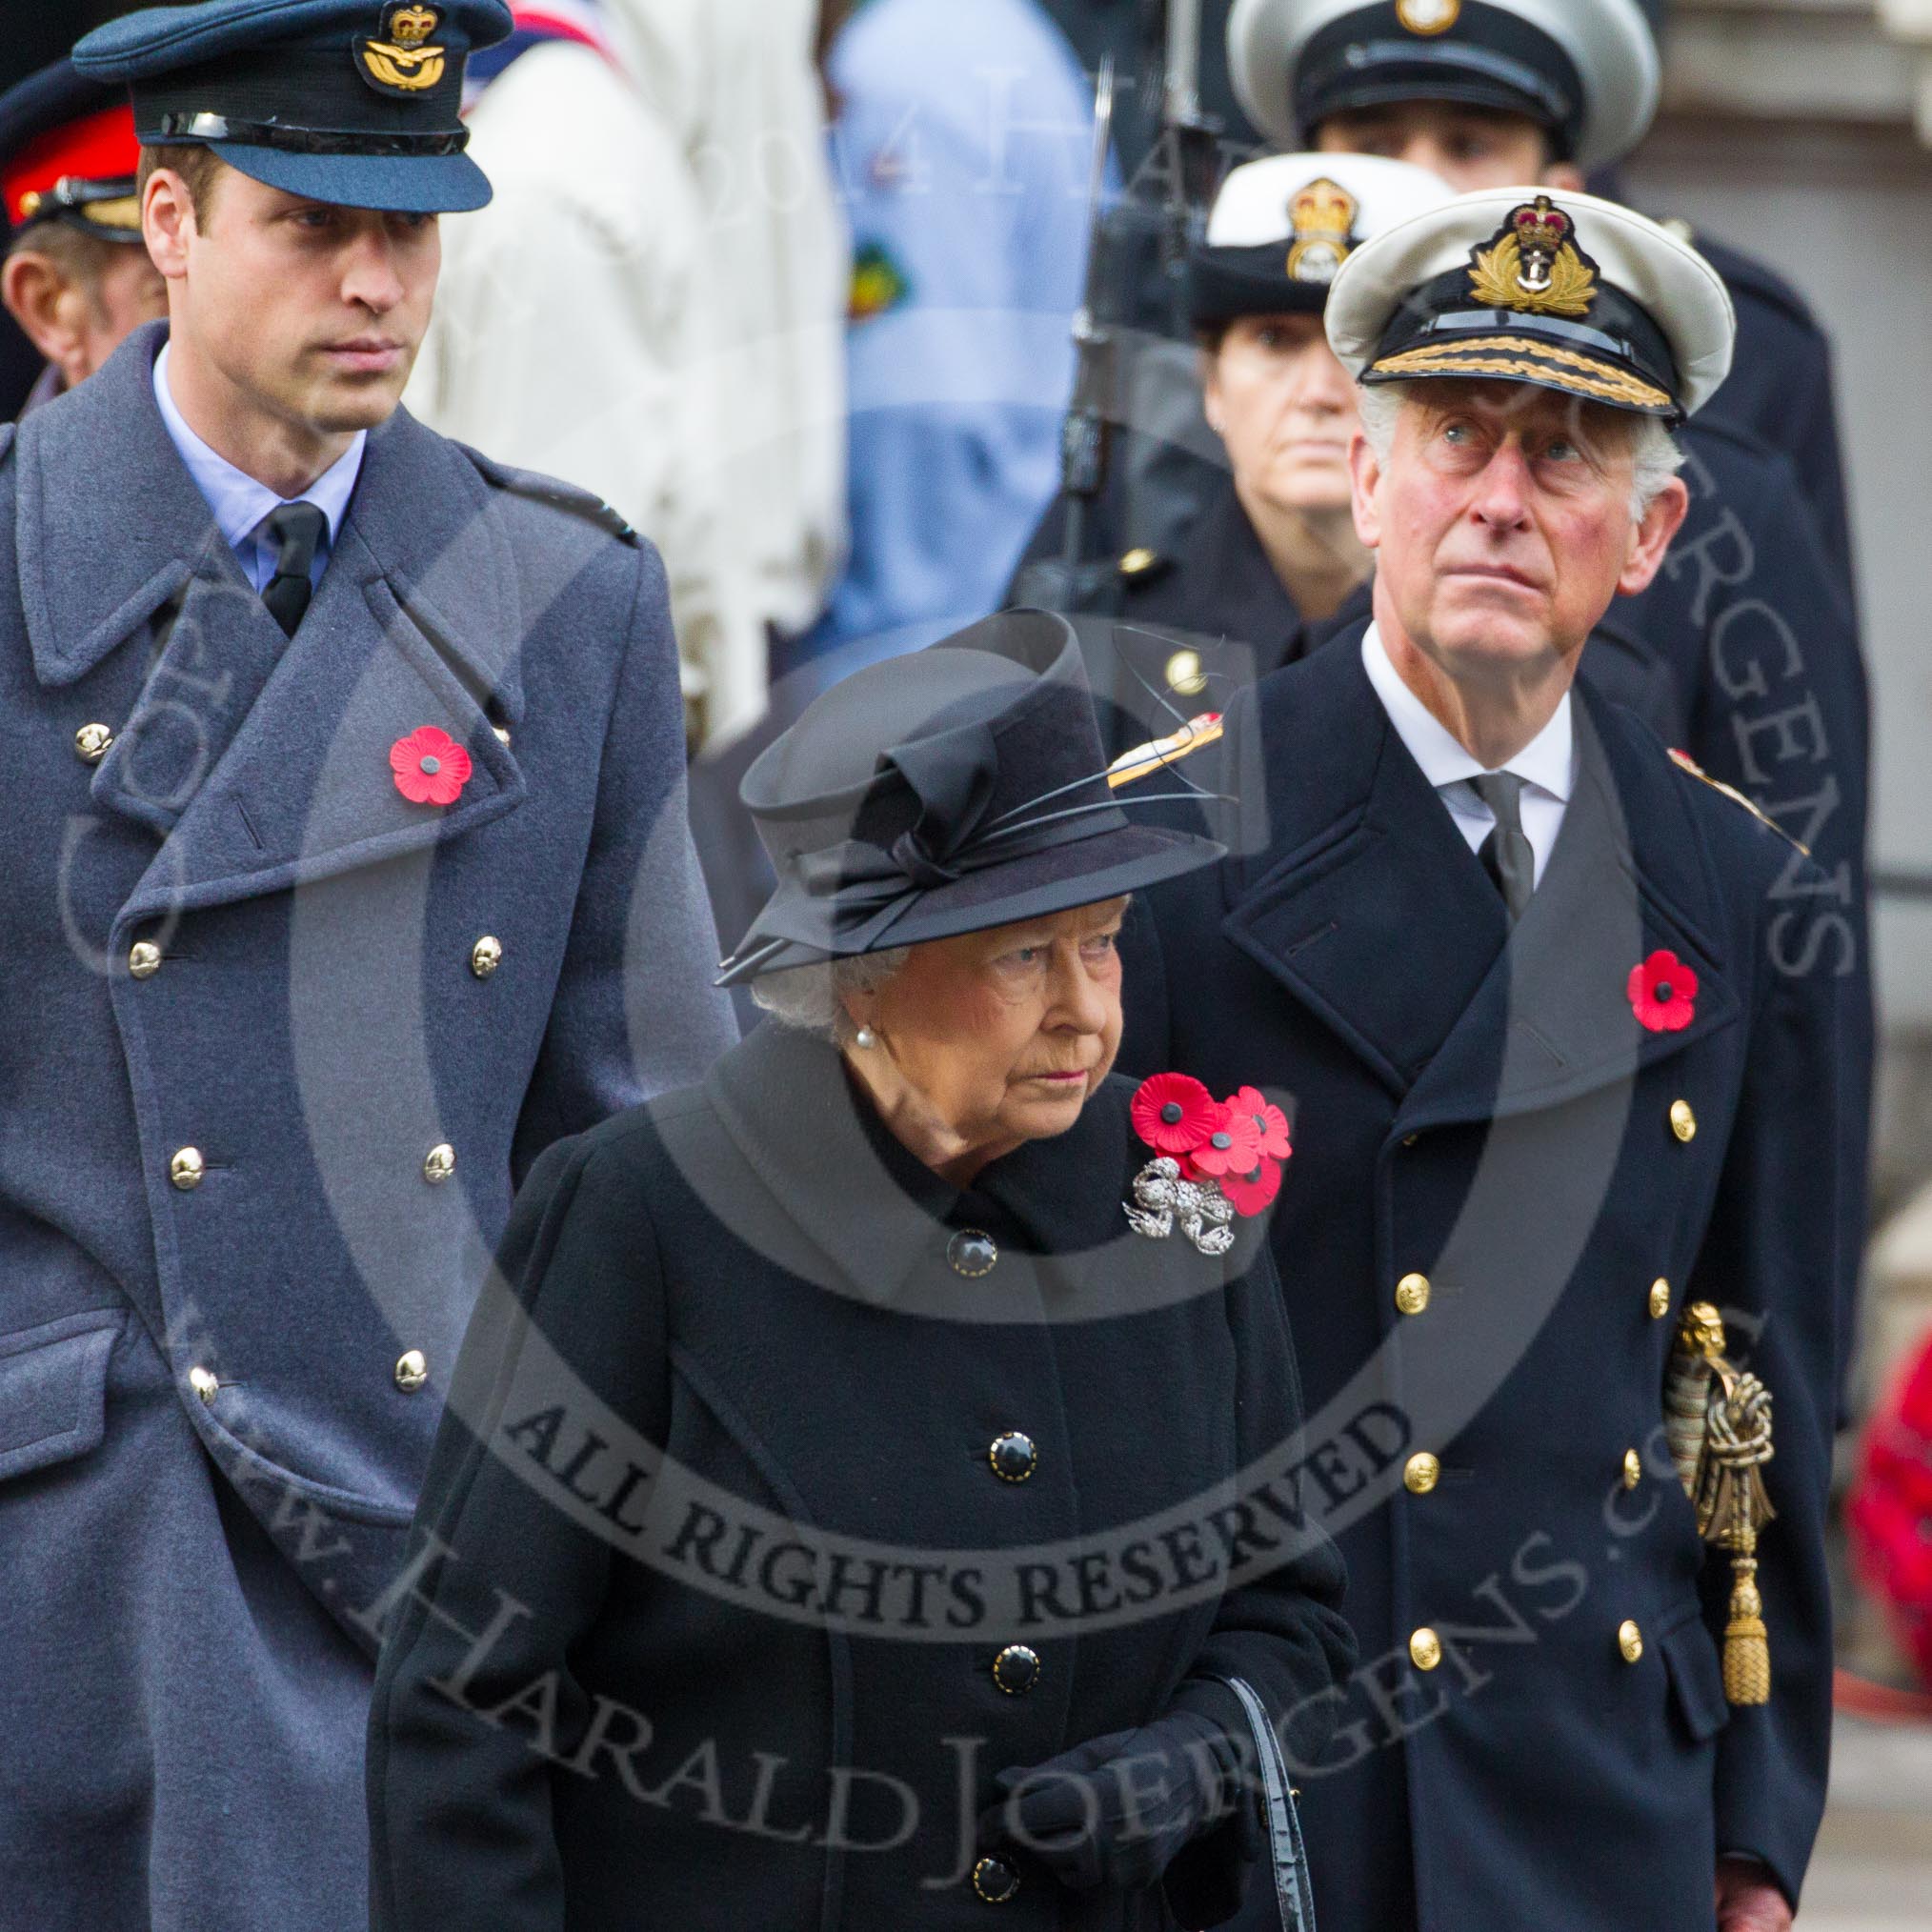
1511 1174
1783 393
318 934
1194 626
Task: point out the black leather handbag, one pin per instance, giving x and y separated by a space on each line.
1286 1857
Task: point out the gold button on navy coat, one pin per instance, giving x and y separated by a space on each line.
1485 1185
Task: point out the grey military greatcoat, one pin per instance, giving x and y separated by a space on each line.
276 1044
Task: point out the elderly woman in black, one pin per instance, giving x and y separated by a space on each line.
840 1521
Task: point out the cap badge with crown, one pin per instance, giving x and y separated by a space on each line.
1323 216
1533 264
403 62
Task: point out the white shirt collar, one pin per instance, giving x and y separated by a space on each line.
1548 761
238 501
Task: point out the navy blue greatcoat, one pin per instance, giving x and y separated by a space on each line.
1779 391
1744 652
246 1027
1503 1191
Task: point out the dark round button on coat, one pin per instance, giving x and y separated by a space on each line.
972 1252
994 1880
1014 1458
1015 1670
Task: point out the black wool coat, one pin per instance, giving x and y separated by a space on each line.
1504 1192
716 1557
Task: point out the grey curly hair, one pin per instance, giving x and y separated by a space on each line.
1654 452
813 998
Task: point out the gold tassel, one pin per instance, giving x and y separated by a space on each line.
1748 1649
1719 1421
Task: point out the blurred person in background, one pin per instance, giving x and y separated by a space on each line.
962 151
78 278
40 35
738 82
963 154
36 36
569 319
649 306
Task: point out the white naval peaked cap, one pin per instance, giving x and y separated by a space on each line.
1256 202
1586 70
1282 226
1524 284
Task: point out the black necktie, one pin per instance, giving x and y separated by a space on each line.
1505 854
294 530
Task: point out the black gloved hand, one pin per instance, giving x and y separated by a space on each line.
1114 1811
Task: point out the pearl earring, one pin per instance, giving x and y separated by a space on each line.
865 1039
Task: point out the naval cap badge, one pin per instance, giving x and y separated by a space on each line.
1323 216
1533 264
399 59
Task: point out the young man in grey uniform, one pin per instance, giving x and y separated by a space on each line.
347 867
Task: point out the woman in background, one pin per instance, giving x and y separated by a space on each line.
1272 565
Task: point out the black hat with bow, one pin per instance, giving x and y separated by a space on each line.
955 788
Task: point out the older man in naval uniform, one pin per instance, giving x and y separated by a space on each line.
345 868
1511 963
1743 649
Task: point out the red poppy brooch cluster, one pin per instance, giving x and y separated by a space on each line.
1213 1160
1664 994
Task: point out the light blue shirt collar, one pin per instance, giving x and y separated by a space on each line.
239 502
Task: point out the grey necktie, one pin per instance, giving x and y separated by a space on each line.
1505 854
294 532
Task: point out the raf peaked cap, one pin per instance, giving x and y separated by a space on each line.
342 101
1281 228
1586 71
68 154
955 788
1518 284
